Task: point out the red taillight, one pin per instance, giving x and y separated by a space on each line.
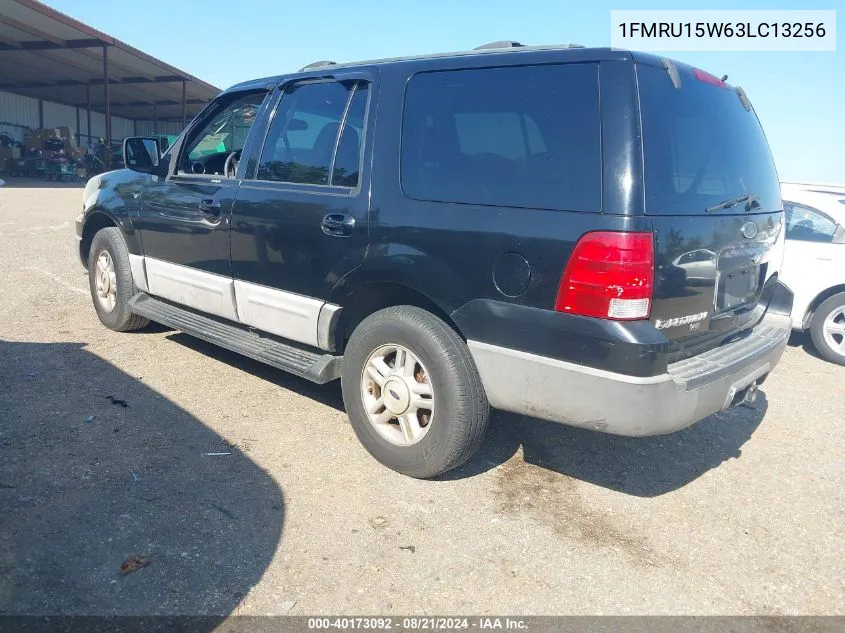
708 78
610 275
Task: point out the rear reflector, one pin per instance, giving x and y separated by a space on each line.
610 275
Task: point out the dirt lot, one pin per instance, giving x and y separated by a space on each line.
104 454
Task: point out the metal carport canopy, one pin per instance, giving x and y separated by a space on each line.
47 55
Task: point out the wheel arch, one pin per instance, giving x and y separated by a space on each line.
95 221
100 217
402 275
820 299
361 301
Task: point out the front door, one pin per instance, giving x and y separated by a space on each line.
300 220
185 218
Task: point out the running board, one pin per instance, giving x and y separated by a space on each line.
314 366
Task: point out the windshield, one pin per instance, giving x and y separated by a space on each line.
701 147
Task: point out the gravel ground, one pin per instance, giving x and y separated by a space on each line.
741 514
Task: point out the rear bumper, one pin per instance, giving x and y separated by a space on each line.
689 391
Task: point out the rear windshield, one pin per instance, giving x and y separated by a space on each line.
701 147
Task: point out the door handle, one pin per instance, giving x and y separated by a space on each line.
210 208
338 224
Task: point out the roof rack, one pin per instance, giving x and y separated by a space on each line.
513 44
499 44
317 65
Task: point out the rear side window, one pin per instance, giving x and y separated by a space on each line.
700 146
808 225
524 136
305 138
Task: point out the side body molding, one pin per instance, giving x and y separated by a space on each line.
289 315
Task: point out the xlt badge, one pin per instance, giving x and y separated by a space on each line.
690 320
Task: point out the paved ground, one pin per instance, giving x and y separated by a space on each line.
741 514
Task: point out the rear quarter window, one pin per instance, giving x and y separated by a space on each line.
524 136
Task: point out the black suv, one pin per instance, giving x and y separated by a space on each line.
589 236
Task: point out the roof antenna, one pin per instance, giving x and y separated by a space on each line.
724 78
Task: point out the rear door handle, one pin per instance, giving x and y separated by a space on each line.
338 224
209 207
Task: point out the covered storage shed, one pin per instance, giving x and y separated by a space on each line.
58 72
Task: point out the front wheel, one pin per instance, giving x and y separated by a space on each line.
110 280
828 329
412 392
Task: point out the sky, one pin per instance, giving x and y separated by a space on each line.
799 97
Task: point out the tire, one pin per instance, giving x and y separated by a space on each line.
119 318
834 308
460 412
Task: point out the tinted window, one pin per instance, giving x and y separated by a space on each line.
304 134
523 136
700 146
808 225
348 158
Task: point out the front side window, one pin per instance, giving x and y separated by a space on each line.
525 136
315 137
221 134
808 225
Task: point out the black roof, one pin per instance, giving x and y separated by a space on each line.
512 53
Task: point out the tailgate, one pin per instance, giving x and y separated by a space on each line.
711 270
712 193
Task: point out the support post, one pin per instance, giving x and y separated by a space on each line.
40 113
155 118
107 158
88 111
184 88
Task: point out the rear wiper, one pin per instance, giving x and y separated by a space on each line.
750 200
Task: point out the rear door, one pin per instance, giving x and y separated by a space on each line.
712 191
300 221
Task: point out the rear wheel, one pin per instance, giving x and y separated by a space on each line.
828 329
412 392
110 280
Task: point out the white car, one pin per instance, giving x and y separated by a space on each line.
814 263
699 266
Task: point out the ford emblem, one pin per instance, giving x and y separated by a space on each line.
749 230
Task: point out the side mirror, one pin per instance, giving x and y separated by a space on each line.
142 153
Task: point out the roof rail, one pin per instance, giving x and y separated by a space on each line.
822 185
512 44
317 65
499 44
